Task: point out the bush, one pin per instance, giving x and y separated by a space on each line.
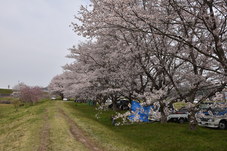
28 94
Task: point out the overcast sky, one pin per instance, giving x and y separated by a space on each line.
34 39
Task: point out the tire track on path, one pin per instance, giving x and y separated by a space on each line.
78 134
44 134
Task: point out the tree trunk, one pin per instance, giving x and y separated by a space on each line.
163 118
163 115
192 119
114 102
94 103
62 96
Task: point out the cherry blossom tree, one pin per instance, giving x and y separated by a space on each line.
56 86
29 94
164 50
140 47
193 33
100 68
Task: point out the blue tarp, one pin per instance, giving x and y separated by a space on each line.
141 112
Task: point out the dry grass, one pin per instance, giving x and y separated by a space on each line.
18 130
39 127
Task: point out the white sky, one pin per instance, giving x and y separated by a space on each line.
34 39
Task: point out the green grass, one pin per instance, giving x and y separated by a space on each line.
8 99
21 131
102 134
6 91
60 138
148 136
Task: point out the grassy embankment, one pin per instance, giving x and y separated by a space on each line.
38 127
43 125
147 136
18 130
6 91
6 99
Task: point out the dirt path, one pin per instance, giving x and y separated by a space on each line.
78 134
44 134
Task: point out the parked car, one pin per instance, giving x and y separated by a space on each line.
214 118
65 99
179 116
53 98
205 105
108 102
121 104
